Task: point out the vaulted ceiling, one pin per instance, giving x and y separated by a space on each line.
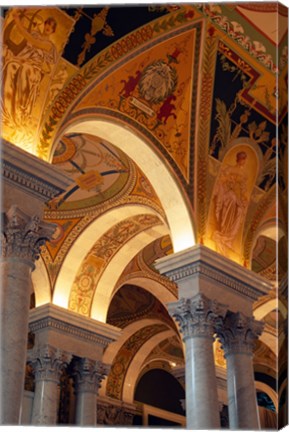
145 108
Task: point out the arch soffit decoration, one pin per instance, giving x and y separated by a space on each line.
156 288
85 242
113 348
136 365
106 284
155 169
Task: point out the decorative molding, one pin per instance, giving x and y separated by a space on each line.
33 184
27 172
202 261
71 324
23 235
69 329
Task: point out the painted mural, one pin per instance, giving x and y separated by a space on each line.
230 200
206 86
131 303
155 91
99 171
33 40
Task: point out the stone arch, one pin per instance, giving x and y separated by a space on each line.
260 386
113 348
269 229
85 242
154 287
136 365
261 311
155 169
41 283
105 286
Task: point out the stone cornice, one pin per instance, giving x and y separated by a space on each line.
202 261
30 173
66 322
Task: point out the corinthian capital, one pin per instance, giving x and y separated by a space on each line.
88 374
238 333
23 235
48 362
196 316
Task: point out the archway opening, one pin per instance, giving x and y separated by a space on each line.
166 396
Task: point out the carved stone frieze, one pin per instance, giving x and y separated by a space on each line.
110 414
23 235
196 316
238 333
48 363
88 375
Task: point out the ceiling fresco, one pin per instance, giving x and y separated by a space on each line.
204 86
98 170
170 349
132 303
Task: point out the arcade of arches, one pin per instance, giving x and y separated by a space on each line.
144 228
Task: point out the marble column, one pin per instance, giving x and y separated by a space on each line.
88 375
197 317
47 363
237 335
22 236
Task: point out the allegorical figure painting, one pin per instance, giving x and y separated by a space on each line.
25 65
33 40
230 199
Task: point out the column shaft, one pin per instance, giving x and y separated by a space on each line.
202 408
45 403
22 237
15 301
86 409
238 334
242 402
196 317
88 376
47 363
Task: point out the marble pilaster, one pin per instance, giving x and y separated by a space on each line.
197 318
22 237
237 335
47 363
88 375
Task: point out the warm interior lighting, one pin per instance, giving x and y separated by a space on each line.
155 169
60 299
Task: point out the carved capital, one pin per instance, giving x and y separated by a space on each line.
88 375
238 333
23 235
48 363
196 316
